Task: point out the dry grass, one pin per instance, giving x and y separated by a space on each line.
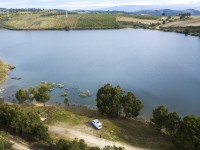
193 21
37 21
137 20
3 71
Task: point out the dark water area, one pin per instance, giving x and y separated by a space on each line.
160 68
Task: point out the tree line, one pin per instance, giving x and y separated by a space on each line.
184 132
27 125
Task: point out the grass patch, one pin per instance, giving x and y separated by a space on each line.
129 131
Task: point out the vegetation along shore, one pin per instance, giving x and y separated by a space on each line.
45 20
4 68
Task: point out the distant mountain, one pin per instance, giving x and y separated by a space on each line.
168 12
153 10
131 8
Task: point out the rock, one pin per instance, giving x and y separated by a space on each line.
16 78
85 94
60 85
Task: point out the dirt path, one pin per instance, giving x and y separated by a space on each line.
89 139
18 146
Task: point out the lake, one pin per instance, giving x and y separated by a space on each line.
160 68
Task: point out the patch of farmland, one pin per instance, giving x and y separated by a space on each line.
137 20
97 21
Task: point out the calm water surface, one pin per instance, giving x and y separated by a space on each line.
160 68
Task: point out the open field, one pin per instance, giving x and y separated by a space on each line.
194 21
137 20
127 131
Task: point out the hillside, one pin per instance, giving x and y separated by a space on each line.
56 20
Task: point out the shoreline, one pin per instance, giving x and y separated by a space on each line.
171 30
4 69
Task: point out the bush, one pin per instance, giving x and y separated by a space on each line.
5 145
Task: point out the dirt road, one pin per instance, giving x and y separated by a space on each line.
89 139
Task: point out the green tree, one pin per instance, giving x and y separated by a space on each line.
159 117
109 100
71 145
1 101
62 145
6 115
113 148
164 22
172 122
25 124
42 95
31 92
66 101
131 105
187 136
186 31
22 95
17 121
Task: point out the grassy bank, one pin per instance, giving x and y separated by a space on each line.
4 68
129 131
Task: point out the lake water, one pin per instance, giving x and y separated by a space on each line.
159 67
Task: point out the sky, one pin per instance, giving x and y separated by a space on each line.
92 4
